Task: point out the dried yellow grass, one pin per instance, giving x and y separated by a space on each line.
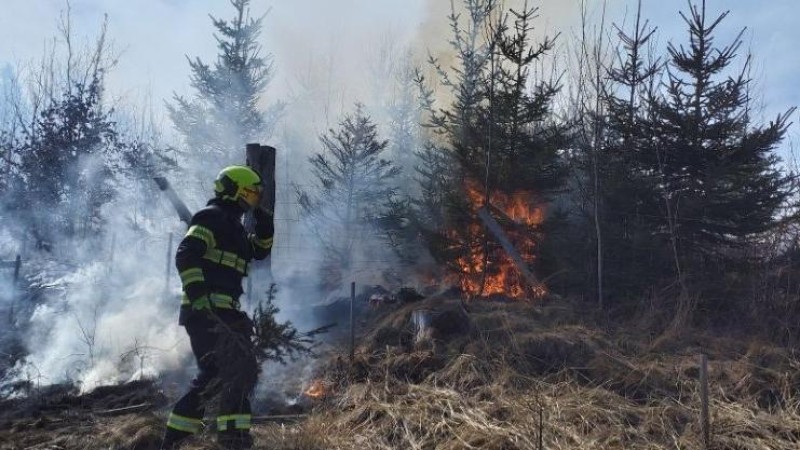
486 390
442 416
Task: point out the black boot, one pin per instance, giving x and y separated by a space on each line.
173 439
235 439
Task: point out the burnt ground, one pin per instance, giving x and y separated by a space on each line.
59 417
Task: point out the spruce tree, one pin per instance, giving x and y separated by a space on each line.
629 196
456 151
62 147
403 123
224 113
66 160
354 193
718 175
496 137
525 139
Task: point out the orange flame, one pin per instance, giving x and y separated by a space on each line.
502 276
316 390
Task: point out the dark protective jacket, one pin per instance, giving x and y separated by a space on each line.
214 255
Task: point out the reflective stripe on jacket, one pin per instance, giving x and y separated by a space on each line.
214 255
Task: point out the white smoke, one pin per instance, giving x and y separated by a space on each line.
105 300
106 311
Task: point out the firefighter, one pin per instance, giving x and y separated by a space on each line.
212 259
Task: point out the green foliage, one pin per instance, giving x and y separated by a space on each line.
63 156
355 191
718 174
279 341
224 115
688 183
64 164
498 136
246 344
525 137
629 199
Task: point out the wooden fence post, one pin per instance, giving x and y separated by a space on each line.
704 415
17 266
541 427
352 322
261 158
168 270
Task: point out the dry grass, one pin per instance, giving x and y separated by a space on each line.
505 415
130 432
485 388
501 415
310 435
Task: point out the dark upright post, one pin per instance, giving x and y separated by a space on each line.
352 322
261 158
169 263
17 266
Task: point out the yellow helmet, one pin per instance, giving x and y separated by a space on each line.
240 184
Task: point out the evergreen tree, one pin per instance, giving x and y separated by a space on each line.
497 136
436 178
404 132
401 114
456 150
434 172
64 173
434 182
629 196
224 113
355 192
64 155
718 175
526 141
459 126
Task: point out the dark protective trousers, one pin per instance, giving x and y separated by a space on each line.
215 380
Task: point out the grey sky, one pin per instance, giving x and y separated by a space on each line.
154 35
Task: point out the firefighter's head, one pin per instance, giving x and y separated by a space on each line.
239 184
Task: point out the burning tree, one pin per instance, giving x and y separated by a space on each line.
499 144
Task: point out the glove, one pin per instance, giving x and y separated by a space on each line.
264 223
201 304
262 215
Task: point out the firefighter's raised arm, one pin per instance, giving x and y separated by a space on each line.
264 233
